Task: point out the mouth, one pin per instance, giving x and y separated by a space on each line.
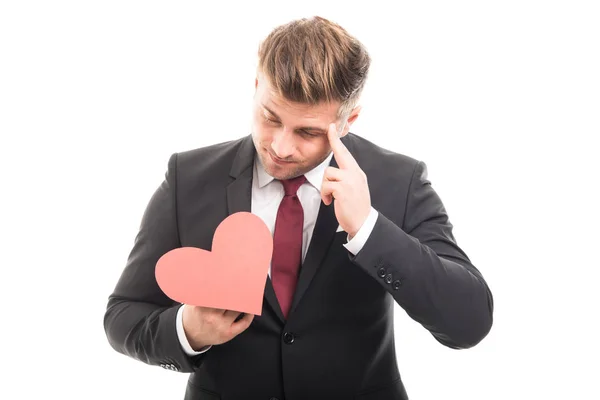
279 161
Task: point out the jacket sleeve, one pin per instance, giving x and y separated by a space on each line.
426 272
140 320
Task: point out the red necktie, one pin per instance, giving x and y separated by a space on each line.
287 244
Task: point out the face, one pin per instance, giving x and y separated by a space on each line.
291 138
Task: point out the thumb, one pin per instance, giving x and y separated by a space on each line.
243 324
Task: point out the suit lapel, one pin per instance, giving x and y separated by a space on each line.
239 198
239 191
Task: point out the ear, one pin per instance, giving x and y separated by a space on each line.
259 75
351 118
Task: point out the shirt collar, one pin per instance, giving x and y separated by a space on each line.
314 176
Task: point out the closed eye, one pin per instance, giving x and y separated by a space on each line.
270 120
274 122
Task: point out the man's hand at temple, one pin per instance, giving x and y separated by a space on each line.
347 185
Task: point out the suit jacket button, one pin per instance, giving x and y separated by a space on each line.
381 272
288 338
388 278
396 284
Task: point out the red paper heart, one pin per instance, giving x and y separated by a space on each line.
232 276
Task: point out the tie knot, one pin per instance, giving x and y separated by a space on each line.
290 186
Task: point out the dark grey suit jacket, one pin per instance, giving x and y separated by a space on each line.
338 342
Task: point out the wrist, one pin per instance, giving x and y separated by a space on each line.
198 345
354 232
188 316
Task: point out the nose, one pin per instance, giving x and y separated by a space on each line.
283 144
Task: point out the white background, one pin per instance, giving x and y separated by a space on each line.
500 99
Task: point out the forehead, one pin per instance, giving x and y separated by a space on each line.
270 100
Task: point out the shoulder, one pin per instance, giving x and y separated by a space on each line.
208 156
374 159
209 167
391 176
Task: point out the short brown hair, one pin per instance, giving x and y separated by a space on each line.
315 60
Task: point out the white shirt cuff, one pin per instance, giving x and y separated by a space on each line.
183 339
358 241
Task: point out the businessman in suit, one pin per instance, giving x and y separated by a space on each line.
356 228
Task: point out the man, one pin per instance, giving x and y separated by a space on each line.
355 229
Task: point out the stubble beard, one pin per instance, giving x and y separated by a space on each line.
289 172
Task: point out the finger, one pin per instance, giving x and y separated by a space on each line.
330 191
239 317
334 174
229 316
242 324
342 156
219 312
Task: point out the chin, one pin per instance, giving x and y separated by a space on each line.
283 172
277 171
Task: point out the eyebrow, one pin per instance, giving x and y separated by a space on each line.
305 128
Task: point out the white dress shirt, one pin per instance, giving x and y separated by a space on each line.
267 194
